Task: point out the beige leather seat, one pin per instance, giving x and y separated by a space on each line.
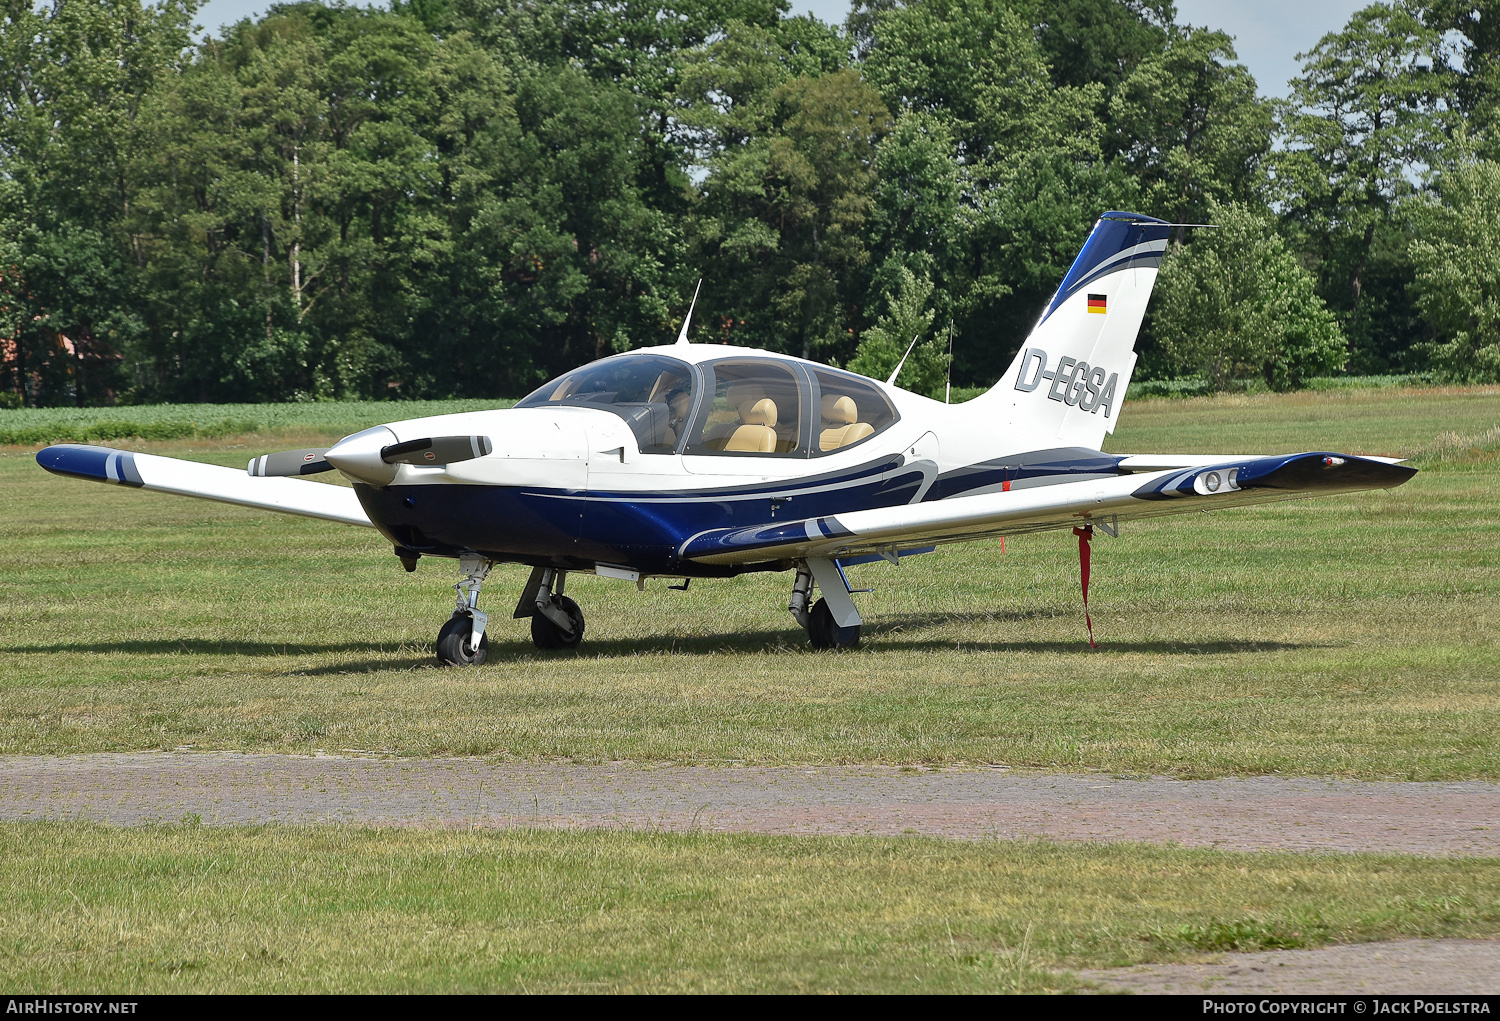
841 425
741 397
758 433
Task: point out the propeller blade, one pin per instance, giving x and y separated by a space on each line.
307 461
437 450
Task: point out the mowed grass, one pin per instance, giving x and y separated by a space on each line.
332 909
1352 636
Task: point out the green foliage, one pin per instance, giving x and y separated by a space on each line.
1365 118
1456 254
465 197
907 318
1235 302
1189 126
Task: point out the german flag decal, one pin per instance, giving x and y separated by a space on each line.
1096 303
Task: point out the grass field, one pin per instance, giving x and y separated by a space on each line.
330 909
1351 636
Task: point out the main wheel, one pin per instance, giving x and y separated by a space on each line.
548 635
453 644
824 633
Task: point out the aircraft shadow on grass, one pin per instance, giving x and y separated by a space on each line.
399 656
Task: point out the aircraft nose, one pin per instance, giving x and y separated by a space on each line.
358 456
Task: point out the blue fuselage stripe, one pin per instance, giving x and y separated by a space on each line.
646 531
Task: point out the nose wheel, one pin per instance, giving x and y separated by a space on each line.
453 646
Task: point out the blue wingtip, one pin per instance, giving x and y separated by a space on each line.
97 464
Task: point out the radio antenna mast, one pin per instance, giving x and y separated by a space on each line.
948 383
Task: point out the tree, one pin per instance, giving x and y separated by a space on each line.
1188 125
1456 254
1235 303
75 135
1100 41
907 318
1359 131
1469 65
782 228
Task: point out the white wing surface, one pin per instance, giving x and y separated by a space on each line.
1227 484
205 481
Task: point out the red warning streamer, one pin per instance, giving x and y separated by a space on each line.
1085 534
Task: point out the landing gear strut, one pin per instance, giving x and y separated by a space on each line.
556 621
462 641
822 621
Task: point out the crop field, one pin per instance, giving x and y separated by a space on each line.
1350 637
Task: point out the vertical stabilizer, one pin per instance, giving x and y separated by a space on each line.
1067 383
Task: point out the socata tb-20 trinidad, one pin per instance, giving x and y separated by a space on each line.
706 461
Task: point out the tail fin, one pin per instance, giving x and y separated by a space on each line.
1067 383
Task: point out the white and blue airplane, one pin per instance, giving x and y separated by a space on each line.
705 461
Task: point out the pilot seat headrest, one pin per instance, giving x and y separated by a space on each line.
762 412
740 394
839 410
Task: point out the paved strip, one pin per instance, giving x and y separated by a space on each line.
1244 814
1409 967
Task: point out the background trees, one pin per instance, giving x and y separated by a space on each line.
465 197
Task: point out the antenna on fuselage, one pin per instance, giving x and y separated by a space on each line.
948 382
892 380
682 334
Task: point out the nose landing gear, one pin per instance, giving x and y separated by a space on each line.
556 620
462 641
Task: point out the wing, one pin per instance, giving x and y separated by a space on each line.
1176 490
1161 462
205 481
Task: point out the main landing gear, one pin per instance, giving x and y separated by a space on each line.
833 622
556 620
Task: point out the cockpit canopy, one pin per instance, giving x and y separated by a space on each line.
653 394
766 407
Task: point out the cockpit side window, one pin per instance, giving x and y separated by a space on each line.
851 410
755 407
652 393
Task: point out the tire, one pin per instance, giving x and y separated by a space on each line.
453 644
825 634
547 635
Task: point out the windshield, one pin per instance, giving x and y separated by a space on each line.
650 392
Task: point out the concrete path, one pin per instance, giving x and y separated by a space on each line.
1451 967
1259 813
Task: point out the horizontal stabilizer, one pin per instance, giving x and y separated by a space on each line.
1232 483
204 481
